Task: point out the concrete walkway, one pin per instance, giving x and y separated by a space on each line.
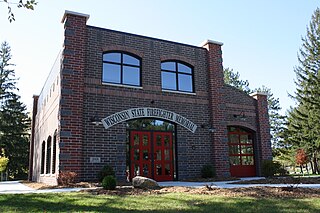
15 187
229 184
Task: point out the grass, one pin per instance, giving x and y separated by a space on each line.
171 202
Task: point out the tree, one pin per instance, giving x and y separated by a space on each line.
276 120
14 121
7 75
3 163
20 4
301 158
232 78
304 120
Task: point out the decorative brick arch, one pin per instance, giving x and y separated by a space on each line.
178 58
122 48
242 125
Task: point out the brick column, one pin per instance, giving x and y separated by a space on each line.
32 142
217 107
263 126
72 88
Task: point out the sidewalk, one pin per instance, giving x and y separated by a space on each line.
229 184
15 187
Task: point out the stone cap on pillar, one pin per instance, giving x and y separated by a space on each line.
208 41
256 94
68 12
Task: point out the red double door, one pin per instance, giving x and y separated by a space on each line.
151 155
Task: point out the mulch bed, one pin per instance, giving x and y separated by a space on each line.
256 192
282 180
291 191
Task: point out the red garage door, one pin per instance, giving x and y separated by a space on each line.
241 152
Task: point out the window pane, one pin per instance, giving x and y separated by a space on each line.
168 80
131 75
112 57
127 59
145 154
168 66
184 68
244 139
185 82
233 138
136 140
111 73
247 160
235 160
246 150
145 140
234 150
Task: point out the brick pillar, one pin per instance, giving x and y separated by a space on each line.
72 88
31 152
217 107
263 126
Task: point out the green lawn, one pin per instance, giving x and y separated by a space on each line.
171 202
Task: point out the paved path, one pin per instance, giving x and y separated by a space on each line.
15 187
228 184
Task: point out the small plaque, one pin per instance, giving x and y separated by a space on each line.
95 160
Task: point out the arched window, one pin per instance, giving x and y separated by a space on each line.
54 153
48 163
177 76
121 68
43 156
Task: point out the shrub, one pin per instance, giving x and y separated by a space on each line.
208 171
65 178
3 161
109 182
270 168
105 171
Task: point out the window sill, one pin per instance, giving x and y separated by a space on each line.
179 92
121 85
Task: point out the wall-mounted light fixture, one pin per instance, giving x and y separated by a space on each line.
95 120
240 116
208 127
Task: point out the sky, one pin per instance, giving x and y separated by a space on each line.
261 38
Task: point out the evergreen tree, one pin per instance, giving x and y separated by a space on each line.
232 78
276 120
14 121
304 120
7 74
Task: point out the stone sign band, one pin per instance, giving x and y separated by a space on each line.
147 112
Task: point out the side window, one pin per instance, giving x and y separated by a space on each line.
177 76
121 68
43 156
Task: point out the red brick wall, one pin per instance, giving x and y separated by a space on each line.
193 150
217 107
72 87
263 125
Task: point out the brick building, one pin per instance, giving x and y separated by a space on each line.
144 106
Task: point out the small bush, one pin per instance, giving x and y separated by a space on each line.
208 171
65 178
105 171
270 168
109 182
